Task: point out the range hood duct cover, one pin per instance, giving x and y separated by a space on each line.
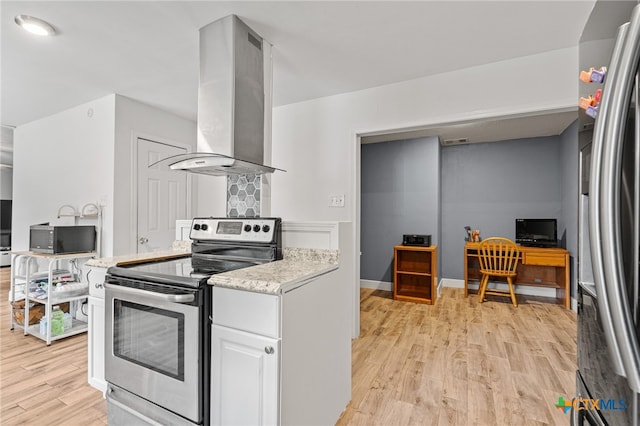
234 102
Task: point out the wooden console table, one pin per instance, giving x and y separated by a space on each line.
538 266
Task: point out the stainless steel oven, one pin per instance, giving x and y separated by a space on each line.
158 322
158 335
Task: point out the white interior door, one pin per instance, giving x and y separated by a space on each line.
162 197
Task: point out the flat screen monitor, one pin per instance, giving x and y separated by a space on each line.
5 239
537 232
5 215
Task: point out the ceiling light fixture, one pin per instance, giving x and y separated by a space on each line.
35 25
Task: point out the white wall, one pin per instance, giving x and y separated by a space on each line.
84 155
6 161
210 196
132 120
73 158
66 158
316 141
6 183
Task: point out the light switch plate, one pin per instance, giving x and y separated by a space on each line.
336 200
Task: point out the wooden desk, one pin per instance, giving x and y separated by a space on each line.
538 266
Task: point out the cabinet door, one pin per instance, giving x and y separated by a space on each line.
244 378
95 370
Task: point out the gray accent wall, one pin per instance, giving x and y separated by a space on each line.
488 185
417 186
570 197
400 193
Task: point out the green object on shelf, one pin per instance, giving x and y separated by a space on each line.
57 322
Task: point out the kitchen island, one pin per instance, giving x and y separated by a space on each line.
281 338
281 342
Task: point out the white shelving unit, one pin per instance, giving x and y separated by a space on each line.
23 261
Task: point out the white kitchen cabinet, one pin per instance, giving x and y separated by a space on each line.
95 370
282 359
95 276
245 353
245 374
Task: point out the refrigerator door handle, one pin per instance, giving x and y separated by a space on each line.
610 224
595 200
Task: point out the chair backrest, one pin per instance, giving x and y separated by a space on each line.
498 255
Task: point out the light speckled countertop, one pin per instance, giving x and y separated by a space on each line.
297 266
179 250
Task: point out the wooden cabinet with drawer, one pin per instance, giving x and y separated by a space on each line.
548 257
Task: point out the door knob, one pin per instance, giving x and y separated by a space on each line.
143 240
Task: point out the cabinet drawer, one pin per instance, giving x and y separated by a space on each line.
543 259
257 313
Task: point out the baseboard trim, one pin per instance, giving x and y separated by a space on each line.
376 285
526 290
456 283
451 282
387 286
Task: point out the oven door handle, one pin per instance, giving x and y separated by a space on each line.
172 298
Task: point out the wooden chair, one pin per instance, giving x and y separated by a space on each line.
498 258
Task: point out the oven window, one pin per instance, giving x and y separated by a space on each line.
150 337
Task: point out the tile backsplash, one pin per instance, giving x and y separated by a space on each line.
243 195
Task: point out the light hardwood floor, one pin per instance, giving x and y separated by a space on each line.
40 384
460 362
454 363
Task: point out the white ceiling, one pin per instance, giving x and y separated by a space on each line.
148 50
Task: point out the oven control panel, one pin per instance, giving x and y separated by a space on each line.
260 230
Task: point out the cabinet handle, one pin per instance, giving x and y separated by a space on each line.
269 349
98 285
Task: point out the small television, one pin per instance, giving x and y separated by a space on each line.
5 215
537 232
5 224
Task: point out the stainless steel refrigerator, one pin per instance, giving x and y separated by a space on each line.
608 376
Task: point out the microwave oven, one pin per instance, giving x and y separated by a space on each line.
62 239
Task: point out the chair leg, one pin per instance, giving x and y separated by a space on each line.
483 286
513 295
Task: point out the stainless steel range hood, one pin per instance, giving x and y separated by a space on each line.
234 102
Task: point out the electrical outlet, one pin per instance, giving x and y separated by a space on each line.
336 200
